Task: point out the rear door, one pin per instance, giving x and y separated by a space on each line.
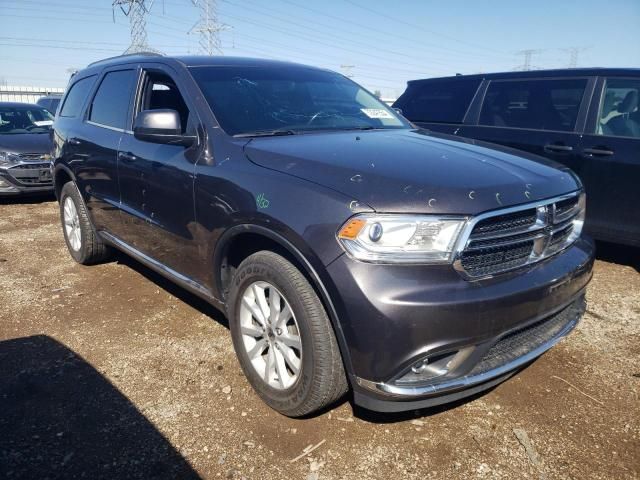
98 138
611 161
542 116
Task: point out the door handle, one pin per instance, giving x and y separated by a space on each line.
558 148
74 141
127 157
598 151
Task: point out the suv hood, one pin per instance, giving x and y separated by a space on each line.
414 171
26 143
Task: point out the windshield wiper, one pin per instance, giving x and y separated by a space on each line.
265 133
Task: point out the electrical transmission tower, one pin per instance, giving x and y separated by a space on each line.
208 27
136 10
348 70
528 54
573 55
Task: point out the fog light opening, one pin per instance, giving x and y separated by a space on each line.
428 368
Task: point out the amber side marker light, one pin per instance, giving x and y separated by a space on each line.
351 230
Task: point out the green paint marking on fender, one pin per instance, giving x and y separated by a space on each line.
261 201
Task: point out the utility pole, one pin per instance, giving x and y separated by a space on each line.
348 70
208 27
136 10
528 54
573 54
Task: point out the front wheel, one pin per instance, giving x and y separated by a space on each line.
283 338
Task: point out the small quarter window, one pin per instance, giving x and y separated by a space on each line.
111 102
444 101
533 104
75 98
619 115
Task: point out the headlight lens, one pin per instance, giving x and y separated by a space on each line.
8 158
401 238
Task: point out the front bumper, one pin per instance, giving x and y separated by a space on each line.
392 316
26 178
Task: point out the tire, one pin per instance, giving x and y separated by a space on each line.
82 241
321 379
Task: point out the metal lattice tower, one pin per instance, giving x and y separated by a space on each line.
208 27
573 55
136 10
528 54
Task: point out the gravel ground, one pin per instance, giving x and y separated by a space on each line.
112 372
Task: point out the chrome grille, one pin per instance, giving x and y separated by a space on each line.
36 174
504 240
34 157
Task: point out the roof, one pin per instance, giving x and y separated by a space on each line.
560 72
19 104
189 61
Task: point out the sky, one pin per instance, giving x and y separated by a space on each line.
380 44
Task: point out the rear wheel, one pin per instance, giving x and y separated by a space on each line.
283 337
82 241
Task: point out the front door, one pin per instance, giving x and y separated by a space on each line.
611 161
156 180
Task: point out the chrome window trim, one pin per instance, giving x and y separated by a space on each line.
108 127
542 224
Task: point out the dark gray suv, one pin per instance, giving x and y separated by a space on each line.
347 248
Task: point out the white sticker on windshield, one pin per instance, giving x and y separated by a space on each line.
376 113
43 123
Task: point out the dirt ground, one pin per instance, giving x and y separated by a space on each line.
112 372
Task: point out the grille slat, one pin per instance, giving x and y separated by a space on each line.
524 340
506 241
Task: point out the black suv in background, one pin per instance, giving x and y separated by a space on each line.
587 119
50 102
25 149
345 246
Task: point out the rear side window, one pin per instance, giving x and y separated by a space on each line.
619 114
111 103
75 98
438 101
533 104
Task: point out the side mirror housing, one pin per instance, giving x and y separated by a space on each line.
161 126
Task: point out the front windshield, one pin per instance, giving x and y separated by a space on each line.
24 119
248 100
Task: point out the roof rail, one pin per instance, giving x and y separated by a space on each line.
136 54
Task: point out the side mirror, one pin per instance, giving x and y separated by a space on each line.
161 126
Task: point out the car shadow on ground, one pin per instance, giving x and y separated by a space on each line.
170 287
60 418
620 254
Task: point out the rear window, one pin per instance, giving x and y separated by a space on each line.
533 104
76 96
444 101
111 102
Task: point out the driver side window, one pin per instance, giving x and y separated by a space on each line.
160 92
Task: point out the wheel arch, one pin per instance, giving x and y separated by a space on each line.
260 238
61 175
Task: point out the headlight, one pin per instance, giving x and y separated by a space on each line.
401 238
8 158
